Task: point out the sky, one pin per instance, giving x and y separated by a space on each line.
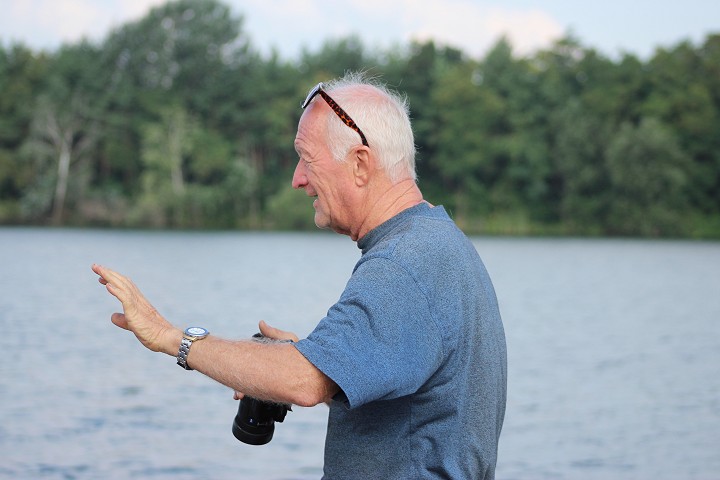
612 27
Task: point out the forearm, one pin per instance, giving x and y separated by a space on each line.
275 372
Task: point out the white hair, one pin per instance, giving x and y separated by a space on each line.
384 118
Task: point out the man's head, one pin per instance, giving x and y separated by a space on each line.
355 142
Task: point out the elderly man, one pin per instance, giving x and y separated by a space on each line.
411 359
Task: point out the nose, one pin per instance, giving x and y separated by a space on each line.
299 179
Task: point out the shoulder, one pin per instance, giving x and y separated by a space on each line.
422 235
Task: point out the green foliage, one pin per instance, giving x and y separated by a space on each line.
175 121
580 141
648 178
291 209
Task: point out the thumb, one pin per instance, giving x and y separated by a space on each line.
119 320
276 333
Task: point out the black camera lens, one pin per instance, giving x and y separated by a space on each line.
254 423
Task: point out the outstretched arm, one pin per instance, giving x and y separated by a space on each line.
275 372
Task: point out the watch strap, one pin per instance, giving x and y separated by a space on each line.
184 351
190 335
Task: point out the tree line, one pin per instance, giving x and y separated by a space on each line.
177 121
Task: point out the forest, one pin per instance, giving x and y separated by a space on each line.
177 121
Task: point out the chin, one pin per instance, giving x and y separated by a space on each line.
321 222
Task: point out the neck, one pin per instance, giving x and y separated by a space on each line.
387 203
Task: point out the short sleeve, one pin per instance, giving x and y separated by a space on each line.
379 341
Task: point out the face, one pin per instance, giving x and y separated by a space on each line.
318 173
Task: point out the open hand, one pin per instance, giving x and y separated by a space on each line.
138 316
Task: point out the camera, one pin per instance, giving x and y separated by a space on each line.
254 423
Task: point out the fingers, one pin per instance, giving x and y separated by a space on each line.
101 271
111 276
105 275
276 333
117 285
238 395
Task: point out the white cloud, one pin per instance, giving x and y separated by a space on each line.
72 19
472 26
528 30
48 23
285 24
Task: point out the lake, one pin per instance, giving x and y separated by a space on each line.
613 350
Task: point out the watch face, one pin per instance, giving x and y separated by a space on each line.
196 331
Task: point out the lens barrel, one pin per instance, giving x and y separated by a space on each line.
254 423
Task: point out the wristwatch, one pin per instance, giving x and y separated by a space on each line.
190 335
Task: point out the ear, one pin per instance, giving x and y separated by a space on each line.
363 166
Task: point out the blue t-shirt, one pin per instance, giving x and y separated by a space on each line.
417 347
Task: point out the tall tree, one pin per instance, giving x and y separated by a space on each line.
65 126
468 119
681 97
582 178
520 135
648 175
23 75
184 52
418 78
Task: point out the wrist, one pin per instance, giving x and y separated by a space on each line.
171 340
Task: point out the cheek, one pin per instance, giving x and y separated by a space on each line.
332 183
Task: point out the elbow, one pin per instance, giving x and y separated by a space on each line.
308 385
306 400
314 392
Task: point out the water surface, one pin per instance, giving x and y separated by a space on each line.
614 351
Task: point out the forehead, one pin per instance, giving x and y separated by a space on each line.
311 127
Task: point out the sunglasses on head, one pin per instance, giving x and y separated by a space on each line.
318 89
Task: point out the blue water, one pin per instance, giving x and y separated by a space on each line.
614 354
